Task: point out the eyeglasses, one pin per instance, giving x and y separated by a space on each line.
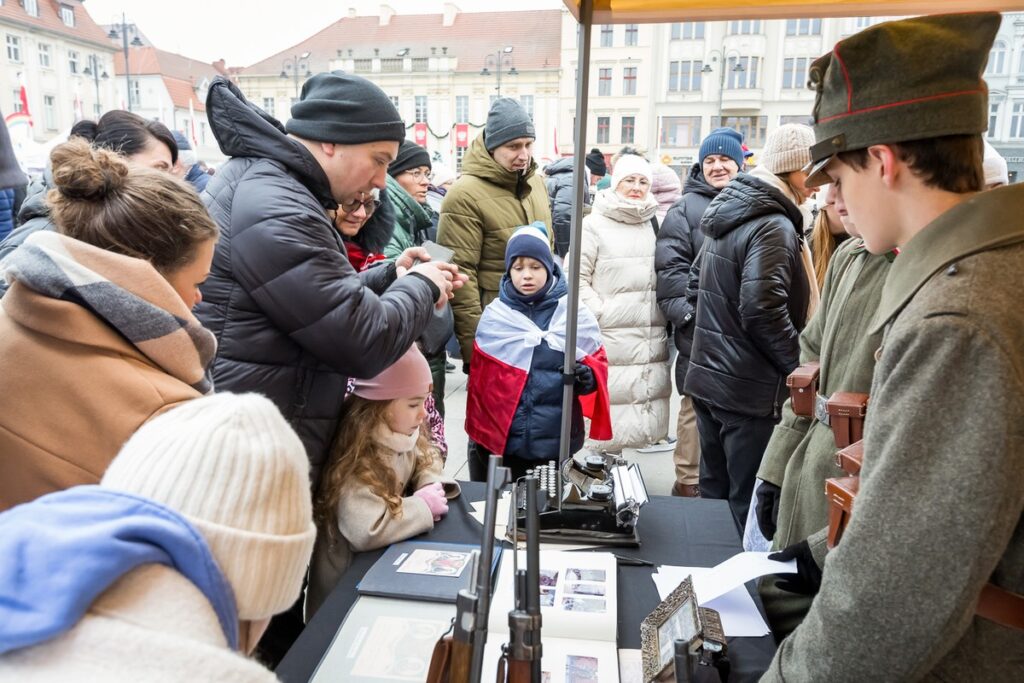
419 174
369 205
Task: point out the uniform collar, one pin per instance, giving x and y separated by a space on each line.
986 221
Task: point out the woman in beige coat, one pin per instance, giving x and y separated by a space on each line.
617 283
96 332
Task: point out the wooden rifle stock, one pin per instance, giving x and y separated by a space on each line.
461 661
518 671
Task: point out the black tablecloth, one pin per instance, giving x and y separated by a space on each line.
689 532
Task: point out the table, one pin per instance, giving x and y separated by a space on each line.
690 532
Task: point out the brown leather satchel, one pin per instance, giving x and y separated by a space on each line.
846 411
803 388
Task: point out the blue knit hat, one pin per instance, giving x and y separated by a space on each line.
532 241
724 141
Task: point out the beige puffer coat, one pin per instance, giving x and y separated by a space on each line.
617 283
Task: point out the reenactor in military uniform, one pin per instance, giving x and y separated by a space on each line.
928 578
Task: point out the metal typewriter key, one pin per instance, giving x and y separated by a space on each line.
594 462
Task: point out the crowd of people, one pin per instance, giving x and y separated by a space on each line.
219 388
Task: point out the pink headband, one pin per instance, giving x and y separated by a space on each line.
409 376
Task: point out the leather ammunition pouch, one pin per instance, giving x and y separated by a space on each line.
840 492
803 388
846 410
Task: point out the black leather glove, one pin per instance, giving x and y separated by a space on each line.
584 382
767 508
807 580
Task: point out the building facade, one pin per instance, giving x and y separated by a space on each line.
441 70
58 62
1005 77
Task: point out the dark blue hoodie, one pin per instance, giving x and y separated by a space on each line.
537 422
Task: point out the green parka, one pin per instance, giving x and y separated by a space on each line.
478 215
411 218
801 453
938 514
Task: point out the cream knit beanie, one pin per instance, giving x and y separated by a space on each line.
234 468
630 164
787 149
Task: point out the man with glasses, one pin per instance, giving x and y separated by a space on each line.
679 241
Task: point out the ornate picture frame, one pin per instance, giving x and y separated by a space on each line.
675 618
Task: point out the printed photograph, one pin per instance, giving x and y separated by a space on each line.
547 597
549 577
585 588
435 563
583 604
584 575
580 669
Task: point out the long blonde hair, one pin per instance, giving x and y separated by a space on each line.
357 457
823 245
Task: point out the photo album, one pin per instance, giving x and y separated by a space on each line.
423 570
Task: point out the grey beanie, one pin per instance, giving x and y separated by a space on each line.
507 120
346 109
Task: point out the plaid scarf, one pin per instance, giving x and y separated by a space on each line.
126 293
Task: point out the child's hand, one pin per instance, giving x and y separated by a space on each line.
584 382
433 496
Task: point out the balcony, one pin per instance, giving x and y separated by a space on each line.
742 99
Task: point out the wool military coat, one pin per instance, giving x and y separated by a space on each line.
942 487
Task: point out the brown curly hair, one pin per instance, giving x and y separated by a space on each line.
356 456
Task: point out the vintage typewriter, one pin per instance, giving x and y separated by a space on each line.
593 498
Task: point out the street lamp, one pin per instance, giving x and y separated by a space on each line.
723 57
293 65
93 70
124 46
502 58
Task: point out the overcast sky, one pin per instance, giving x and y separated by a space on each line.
244 32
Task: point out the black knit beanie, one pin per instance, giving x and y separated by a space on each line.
507 120
410 155
346 109
595 162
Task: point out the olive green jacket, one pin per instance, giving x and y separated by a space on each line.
942 488
801 453
478 215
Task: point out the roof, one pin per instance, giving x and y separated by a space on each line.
49 19
181 92
180 74
649 11
536 37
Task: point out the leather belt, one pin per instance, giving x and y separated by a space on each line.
1004 607
821 410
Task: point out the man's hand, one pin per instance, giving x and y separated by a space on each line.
807 579
408 258
445 275
767 508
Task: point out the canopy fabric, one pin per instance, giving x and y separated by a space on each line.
652 11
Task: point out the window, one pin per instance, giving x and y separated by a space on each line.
743 72
420 64
803 27
862 23
629 80
680 131
746 27
800 118
604 82
606 35
604 124
993 119
461 108
794 73
268 105
460 152
394 100
392 65
690 30
527 102
17 100
1017 121
31 7
13 48
67 15
684 76
632 35
73 61
421 109
363 64
44 55
753 128
50 111
628 129
996 58
135 93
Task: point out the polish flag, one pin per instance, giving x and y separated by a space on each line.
502 355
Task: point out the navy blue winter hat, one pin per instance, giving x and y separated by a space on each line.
183 143
532 241
345 109
724 141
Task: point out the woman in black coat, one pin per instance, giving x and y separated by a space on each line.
751 289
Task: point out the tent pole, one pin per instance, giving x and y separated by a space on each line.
579 188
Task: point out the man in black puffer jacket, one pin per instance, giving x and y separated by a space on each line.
293 319
751 295
558 180
679 242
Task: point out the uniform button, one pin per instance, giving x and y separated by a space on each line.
878 354
952 270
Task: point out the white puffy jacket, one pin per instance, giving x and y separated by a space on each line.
617 283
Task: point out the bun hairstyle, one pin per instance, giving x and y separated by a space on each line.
140 212
125 133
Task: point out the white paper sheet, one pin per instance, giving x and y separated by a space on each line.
736 571
631 666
